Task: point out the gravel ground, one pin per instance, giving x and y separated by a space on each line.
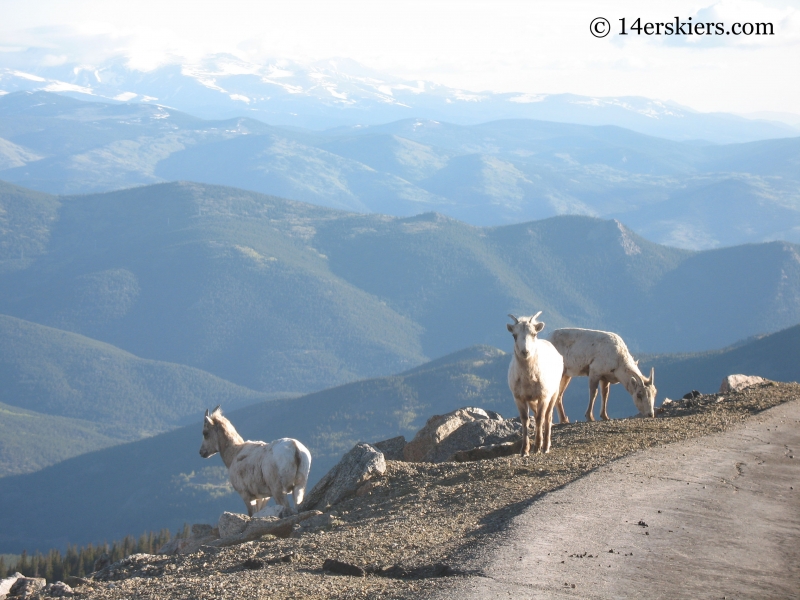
420 521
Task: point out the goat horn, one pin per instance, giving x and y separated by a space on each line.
206 412
216 409
516 320
533 318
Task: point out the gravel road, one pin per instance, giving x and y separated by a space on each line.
711 517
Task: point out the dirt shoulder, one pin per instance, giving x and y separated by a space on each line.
427 520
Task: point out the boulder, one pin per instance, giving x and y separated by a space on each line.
734 383
462 430
5 584
439 427
392 449
258 528
27 587
271 511
359 465
231 524
59 589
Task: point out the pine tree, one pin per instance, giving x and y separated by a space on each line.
22 565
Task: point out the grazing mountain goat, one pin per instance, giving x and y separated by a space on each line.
534 376
604 358
258 471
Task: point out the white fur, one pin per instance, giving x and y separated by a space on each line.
604 358
534 376
258 471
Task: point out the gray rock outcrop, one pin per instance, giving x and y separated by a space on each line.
463 429
734 383
27 587
231 524
5 584
59 589
392 448
357 467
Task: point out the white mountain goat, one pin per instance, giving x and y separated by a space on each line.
604 358
534 376
258 471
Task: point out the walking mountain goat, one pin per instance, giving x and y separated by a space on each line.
604 358
534 376
258 471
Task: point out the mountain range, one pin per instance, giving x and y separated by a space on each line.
281 296
126 313
337 92
676 193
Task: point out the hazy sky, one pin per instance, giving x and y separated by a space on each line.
525 46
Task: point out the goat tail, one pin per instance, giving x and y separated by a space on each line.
302 459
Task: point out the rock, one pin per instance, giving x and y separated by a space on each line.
5 584
692 395
271 511
342 568
59 589
734 383
73 581
439 427
258 528
491 451
231 524
27 587
485 432
359 465
321 520
392 448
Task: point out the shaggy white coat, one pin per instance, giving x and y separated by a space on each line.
258 471
604 358
533 377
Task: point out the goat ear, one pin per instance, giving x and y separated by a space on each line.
509 327
538 326
636 381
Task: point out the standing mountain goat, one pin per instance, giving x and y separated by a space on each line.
604 358
258 471
534 376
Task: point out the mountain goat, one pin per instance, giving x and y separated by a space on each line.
534 376
604 358
258 471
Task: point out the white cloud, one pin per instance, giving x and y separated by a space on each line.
504 45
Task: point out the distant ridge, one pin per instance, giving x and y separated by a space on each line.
210 277
334 92
695 196
63 394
